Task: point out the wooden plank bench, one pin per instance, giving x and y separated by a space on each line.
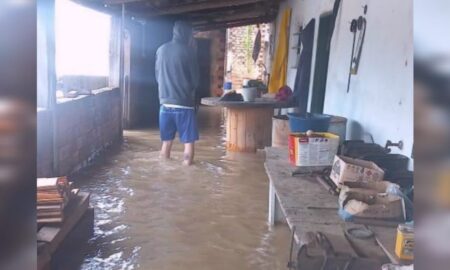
49 237
301 202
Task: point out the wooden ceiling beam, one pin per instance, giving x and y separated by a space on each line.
98 6
232 11
220 18
211 12
200 6
230 24
119 2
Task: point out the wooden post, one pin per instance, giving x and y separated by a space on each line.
47 70
248 129
121 69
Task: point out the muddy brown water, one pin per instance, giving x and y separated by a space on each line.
153 214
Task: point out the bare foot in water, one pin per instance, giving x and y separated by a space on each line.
164 158
166 147
187 162
188 155
187 159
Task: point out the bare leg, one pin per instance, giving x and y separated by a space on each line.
188 155
165 149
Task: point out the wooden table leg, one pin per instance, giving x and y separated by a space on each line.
275 213
272 202
248 129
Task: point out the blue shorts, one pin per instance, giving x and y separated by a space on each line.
182 120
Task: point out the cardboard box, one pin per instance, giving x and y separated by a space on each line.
316 150
371 186
353 170
370 203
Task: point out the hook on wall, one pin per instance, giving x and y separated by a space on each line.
365 7
389 144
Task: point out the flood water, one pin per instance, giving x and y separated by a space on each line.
153 214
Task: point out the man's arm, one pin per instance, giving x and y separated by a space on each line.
195 76
157 64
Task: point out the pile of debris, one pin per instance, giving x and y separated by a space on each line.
372 183
53 195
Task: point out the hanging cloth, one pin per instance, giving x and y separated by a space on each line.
279 66
256 45
302 78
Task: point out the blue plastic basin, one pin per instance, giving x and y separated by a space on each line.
312 121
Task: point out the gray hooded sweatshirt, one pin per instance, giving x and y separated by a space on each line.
177 68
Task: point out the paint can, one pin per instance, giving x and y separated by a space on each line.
404 244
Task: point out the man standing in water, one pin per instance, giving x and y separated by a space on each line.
177 76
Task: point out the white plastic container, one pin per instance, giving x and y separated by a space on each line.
249 94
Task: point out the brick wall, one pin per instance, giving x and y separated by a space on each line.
85 126
240 41
218 47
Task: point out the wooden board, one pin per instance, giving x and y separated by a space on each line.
308 207
54 235
259 102
43 256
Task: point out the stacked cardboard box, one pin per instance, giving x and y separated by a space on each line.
53 194
346 169
372 199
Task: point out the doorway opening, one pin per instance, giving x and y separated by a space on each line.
204 63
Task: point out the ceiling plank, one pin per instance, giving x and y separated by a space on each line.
208 27
119 2
203 12
200 6
97 5
219 18
232 11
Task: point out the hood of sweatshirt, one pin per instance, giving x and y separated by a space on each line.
182 32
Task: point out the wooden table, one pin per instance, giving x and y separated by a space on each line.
248 124
304 204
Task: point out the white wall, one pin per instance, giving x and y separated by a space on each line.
380 101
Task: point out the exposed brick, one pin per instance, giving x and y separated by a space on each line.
240 45
217 38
